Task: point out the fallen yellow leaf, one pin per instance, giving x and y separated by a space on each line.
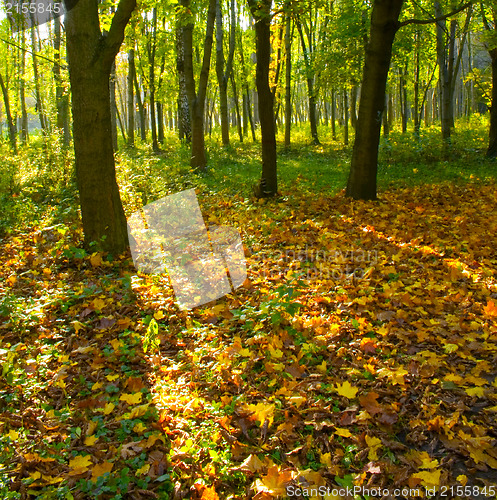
100 470
346 390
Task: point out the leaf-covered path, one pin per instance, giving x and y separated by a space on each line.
361 351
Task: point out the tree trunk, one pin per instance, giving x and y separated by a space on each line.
90 57
443 75
113 106
197 99
39 102
262 14
345 118
353 107
237 107
61 96
492 138
10 122
141 110
184 117
224 68
384 24
151 47
288 79
22 87
333 115
131 97
310 89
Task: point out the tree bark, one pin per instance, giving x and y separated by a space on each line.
39 101
384 25
131 97
151 48
113 106
10 122
310 88
224 68
492 137
22 87
184 119
90 57
345 117
261 10
197 98
288 79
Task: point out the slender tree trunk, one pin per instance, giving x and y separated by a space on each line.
90 59
288 79
39 101
345 118
184 118
197 98
10 122
22 89
141 109
246 98
151 48
237 107
403 100
353 106
310 89
224 68
333 115
384 24
262 14
131 97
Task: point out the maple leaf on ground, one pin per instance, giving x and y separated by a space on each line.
347 390
79 464
274 482
490 309
100 470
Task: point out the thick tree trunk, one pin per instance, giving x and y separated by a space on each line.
90 59
262 14
113 106
131 97
384 24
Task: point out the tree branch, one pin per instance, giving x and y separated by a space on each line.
436 19
115 37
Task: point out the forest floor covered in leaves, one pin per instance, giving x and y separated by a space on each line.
361 351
